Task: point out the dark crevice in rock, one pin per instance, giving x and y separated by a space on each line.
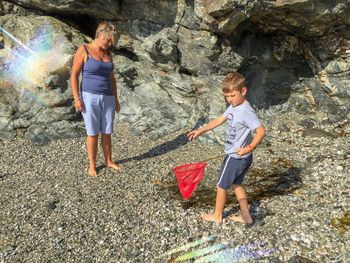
271 66
126 53
83 23
179 23
186 71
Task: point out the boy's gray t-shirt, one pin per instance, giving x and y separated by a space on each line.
241 120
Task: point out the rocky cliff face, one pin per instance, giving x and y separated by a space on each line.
172 55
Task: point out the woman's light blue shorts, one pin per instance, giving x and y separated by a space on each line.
98 113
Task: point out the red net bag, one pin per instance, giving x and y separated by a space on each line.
189 176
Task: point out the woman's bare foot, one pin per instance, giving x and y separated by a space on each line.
246 219
92 171
211 218
114 166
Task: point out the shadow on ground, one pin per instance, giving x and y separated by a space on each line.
282 178
159 149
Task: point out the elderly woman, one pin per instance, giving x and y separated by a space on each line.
97 96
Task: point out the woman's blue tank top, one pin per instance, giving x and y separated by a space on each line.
96 76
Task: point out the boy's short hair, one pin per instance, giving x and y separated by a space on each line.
108 30
232 82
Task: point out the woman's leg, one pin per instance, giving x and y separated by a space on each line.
91 143
107 151
91 114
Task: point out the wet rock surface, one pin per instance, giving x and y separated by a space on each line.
51 210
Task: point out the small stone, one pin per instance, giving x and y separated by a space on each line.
339 168
52 205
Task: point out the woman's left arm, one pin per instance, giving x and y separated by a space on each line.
114 91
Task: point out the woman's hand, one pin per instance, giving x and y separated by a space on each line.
79 105
117 105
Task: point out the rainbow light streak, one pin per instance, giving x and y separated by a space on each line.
16 40
201 252
238 254
27 66
189 245
222 253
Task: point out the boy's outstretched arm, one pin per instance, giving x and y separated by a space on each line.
259 136
211 125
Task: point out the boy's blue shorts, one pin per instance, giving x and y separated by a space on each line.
233 171
98 113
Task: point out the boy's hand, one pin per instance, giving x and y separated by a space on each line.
193 134
243 151
260 134
207 127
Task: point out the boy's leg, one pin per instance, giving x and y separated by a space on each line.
241 196
91 144
107 151
219 207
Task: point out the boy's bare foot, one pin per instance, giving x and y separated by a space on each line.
211 218
114 166
247 219
92 172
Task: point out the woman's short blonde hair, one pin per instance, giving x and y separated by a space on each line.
108 30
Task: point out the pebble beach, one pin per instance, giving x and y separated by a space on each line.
52 211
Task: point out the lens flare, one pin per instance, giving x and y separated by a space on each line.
27 66
238 254
190 245
220 252
15 39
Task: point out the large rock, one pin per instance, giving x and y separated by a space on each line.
203 53
172 55
160 115
162 49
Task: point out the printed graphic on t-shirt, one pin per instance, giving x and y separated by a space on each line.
231 130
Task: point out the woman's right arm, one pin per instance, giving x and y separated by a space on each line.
78 62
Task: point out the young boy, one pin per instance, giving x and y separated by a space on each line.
239 146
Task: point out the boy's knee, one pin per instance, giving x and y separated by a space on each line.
221 189
236 186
